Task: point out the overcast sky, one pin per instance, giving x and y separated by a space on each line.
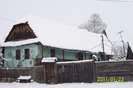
117 15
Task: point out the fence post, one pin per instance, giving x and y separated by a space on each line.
94 70
0 74
44 73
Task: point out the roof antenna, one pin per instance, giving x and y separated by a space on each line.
122 41
26 22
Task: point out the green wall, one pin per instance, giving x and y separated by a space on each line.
68 54
10 54
36 53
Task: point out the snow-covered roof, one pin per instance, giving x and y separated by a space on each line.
24 77
55 34
131 44
49 60
19 43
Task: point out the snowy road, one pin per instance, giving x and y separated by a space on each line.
69 85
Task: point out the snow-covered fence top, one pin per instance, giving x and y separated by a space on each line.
49 60
79 61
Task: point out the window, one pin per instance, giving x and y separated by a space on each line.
90 56
17 54
52 51
80 56
27 54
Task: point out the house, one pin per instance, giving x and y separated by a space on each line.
130 51
33 38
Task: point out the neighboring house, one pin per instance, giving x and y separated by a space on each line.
130 51
34 38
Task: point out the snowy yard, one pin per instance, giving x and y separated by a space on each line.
69 85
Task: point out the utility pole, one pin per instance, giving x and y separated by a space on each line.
103 48
122 41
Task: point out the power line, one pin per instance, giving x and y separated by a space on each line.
116 0
95 47
7 19
108 45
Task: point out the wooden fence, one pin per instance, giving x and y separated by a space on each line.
70 71
11 74
114 71
73 71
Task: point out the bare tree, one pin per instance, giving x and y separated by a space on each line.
1 57
94 24
119 51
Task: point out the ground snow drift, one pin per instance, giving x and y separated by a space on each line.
69 85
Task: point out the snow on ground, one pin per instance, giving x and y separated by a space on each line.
69 85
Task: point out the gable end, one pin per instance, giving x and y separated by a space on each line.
20 32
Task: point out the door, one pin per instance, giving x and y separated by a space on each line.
50 73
